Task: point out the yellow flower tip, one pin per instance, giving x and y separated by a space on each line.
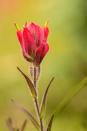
46 24
25 24
17 26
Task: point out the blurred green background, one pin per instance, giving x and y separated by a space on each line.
66 60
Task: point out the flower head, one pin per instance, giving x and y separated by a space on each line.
33 41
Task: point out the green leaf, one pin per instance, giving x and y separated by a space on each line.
50 123
43 103
29 82
30 116
73 91
23 125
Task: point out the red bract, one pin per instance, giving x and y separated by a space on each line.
33 41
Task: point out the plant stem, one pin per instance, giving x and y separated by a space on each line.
36 102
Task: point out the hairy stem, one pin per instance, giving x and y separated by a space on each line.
36 102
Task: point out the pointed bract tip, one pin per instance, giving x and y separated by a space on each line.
26 23
46 23
17 26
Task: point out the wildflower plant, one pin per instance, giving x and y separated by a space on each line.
34 45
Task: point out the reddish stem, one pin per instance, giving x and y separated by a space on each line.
36 102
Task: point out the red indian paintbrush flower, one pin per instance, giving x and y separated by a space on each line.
33 41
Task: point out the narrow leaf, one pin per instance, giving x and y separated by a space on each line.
43 103
50 123
29 82
63 103
30 116
23 125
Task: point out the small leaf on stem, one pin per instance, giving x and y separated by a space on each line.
23 125
43 103
29 82
30 116
50 123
